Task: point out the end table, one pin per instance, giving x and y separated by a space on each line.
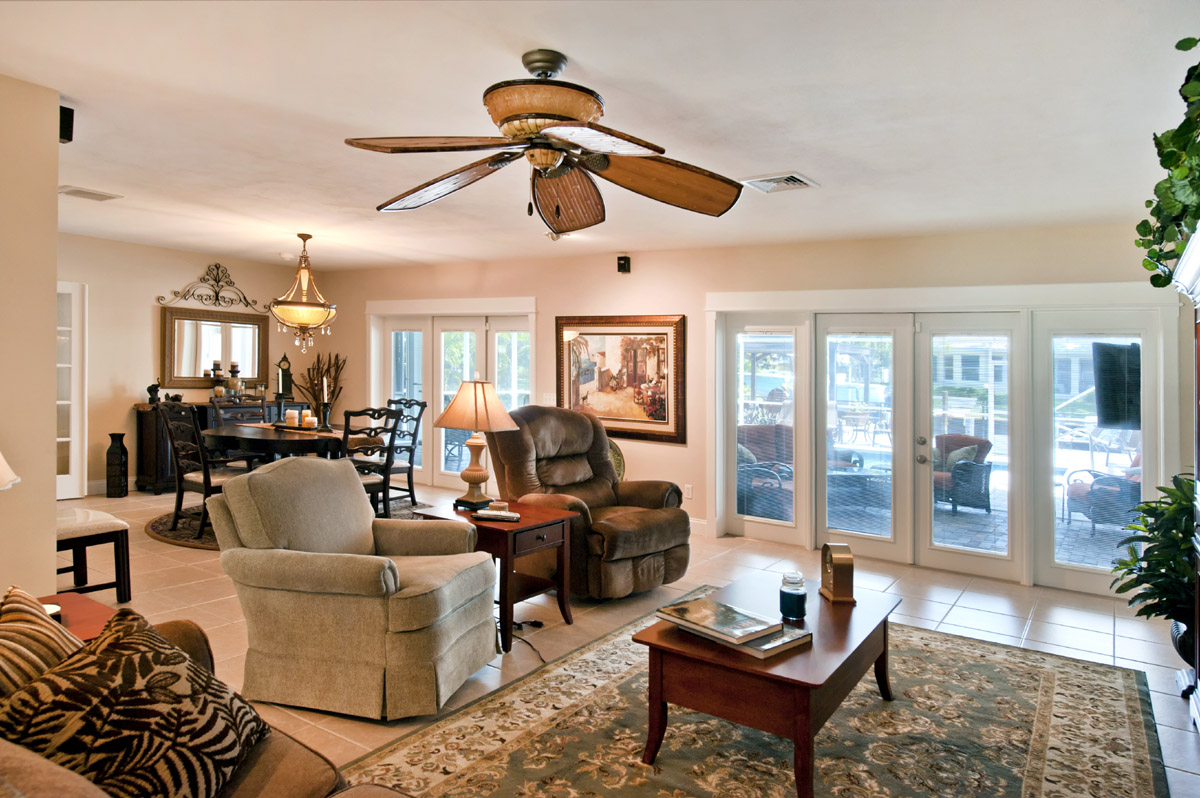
508 541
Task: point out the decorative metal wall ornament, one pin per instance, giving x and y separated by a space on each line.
212 289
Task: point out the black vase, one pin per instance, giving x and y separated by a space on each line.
118 467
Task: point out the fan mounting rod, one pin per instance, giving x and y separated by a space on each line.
544 64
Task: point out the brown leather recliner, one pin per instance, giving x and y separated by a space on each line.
629 536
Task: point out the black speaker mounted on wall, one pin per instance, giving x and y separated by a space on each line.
66 124
623 264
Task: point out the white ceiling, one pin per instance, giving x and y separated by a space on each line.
222 123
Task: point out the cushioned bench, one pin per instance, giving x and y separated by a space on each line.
79 529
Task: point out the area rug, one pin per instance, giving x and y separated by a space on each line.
185 534
970 719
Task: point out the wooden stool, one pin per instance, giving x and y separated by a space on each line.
77 530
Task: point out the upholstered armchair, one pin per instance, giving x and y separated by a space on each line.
629 536
346 612
961 477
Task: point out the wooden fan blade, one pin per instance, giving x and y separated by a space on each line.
570 201
598 138
434 143
449 183
673 182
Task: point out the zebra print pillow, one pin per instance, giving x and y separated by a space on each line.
133 714
31 642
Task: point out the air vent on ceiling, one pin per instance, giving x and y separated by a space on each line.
787 181
88 194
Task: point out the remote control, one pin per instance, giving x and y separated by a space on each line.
496 515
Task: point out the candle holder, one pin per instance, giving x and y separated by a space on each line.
325 408
279 400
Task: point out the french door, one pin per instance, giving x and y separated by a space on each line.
496 349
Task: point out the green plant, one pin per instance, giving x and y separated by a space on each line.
1176 204
1161 564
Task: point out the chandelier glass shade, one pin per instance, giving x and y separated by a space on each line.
302 310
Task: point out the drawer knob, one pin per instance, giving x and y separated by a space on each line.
541 537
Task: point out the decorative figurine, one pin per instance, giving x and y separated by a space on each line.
153 390
837 573
174 397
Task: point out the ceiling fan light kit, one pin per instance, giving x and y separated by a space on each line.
302 310
553 124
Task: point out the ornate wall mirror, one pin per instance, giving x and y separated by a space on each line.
193 339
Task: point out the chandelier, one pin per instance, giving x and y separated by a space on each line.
296 312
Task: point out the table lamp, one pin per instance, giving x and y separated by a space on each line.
475 408
7 477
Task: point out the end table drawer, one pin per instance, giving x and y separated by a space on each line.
541 537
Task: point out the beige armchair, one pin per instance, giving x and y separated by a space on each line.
346 612
629 536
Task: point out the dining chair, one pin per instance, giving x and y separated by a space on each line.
238 409
369 441
407 439
196 468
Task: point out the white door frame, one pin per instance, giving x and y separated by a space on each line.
74 483
1165 311
1160 383
1013 325
898 545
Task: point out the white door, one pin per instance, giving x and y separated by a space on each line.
407 373
1096 396
862 402
969 465
71 399
496 349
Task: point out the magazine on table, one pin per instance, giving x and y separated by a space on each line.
785 639
723 622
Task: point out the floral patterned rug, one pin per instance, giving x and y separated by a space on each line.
970 719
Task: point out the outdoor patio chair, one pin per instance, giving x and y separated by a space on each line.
967 482
1103 498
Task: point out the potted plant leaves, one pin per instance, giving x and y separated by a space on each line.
1161 563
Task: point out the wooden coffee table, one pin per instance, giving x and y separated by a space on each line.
508 541
790 694
84 617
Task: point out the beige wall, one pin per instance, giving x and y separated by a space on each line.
28 223
123 325
676 282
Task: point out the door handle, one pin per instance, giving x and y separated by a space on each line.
922 459
922 440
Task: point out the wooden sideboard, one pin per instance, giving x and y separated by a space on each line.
154 470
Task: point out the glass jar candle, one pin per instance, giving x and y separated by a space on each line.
792 596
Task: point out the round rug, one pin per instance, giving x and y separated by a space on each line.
189 521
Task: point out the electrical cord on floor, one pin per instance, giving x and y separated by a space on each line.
518 625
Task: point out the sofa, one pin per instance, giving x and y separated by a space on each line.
275 767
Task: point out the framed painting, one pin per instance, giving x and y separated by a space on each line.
627 370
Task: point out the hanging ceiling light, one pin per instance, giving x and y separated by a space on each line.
296 312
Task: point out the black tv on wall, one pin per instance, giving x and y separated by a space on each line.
1117 369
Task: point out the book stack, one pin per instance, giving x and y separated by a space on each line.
736 628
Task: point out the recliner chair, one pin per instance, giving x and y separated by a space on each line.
628 537
346 612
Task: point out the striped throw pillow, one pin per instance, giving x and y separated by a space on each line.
31 642
136 716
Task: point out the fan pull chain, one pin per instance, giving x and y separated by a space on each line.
557 212
532 178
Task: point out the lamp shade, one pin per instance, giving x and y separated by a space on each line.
477 408
7 477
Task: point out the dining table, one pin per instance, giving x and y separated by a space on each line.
268 439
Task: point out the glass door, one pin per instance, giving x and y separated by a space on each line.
71 404
407 360
863 404
967 461
493 348
1097 374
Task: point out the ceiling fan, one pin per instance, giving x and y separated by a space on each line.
552 123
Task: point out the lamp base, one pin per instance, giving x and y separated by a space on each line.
463 503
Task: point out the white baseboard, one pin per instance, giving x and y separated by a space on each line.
700 527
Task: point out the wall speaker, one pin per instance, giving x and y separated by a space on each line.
623 264
66 124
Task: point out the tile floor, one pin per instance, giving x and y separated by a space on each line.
173 582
